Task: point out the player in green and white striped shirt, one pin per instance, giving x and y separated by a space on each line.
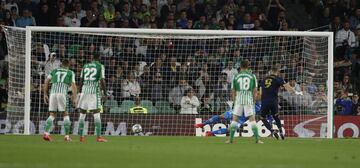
61 79
244 90
93 87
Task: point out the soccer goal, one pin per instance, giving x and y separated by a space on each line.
156 67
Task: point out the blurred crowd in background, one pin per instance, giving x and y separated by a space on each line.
126 81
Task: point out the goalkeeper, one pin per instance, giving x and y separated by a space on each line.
227 116
269 89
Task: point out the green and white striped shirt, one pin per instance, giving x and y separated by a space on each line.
244 83
61 79
91 74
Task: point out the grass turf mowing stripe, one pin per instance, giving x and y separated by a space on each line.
177 152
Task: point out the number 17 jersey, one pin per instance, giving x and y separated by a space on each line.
91 75
61 79
244 83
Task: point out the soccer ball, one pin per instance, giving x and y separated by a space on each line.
136 129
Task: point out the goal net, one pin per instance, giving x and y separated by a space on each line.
157 68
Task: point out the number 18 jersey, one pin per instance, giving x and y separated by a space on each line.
61 79
91 74
244 83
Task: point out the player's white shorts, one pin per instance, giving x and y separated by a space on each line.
57 102
89 102
247 110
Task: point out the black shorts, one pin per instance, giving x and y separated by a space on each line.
267 109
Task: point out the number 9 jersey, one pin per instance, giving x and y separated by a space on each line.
90 97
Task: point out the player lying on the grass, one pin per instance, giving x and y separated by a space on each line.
93 80
60 78
227 116
269 89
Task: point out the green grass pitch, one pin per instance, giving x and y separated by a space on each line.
177 152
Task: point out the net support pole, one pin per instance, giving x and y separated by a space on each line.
330 83
27 82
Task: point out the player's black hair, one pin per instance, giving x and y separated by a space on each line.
245 64
96 56
65 62
274 69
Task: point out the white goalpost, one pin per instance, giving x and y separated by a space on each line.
159 65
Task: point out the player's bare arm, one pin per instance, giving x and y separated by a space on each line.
46 91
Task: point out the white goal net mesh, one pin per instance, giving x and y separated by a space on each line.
158 69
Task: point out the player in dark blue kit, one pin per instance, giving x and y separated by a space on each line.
227 116
269 88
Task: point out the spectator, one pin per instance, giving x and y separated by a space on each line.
230 71
319 105
273 9
117 79
145 80
25 20
357 110
12 4
157 91
189 103
171 72
214 25
90 20
247 24
355 74
222 91
52 63
146 22
60 22
71 20
183 72
324 18
45 21
346 85
176 94
357 34
27 4
80 13
202 84
223 13
130 87
345 102
138 109
345 37
355 19
107 49
355 104
182 22
310 86
201 23
109 13
8 20
60 9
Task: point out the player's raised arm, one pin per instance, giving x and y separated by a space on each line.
291 89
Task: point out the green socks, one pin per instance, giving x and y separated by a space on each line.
81 127
255 131
233 127
67 125
97 120
98 127
49 123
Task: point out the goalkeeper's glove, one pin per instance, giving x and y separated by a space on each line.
299 93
